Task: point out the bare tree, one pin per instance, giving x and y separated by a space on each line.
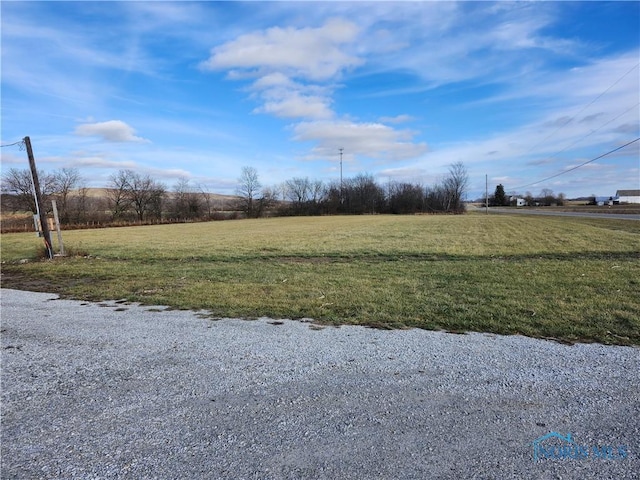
455 187
118 197
248 189
186 202
19 185
316 191
146 195
65 181
207 199
80 204
133 191
268 198
298 190
528 198
546 196
363 195
405 198
155 206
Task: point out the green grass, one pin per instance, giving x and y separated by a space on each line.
571 279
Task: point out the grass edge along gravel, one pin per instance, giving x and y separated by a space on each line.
567 279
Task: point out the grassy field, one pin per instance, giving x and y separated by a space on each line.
571 279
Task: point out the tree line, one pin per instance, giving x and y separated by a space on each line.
545 198
358 195
134 197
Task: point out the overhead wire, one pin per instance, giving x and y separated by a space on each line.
578 166
21 142
593 131
587 135
584 108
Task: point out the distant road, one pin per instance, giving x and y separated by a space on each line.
616 216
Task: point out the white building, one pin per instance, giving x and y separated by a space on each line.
628 196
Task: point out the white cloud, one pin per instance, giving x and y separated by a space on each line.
100 161
397 119
373 140
297 106
274 80
277 56
285 98
296 69
312 53
110 131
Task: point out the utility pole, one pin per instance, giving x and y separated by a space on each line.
341 149
486 193
40 207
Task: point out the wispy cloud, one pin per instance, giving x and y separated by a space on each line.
110 131
372 140
397 119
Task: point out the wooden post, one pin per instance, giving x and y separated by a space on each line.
43 215
486 194
57 220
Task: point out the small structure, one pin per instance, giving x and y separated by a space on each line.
517 202
627 196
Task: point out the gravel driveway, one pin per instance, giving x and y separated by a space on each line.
112 390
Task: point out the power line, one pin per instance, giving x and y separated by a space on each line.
578 166
21 142
584 108
588 134
593 131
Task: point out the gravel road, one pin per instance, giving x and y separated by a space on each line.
111 390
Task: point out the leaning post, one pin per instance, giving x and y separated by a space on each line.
56 219
43 214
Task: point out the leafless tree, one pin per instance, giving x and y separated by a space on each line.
186 202
80 205
298 190
248 190
65 181
405 198
455 187
547 197
146 195
130 190
528 198
207 199
363 195
316 191
19 185
118 197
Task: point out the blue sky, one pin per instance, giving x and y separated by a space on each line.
516 91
